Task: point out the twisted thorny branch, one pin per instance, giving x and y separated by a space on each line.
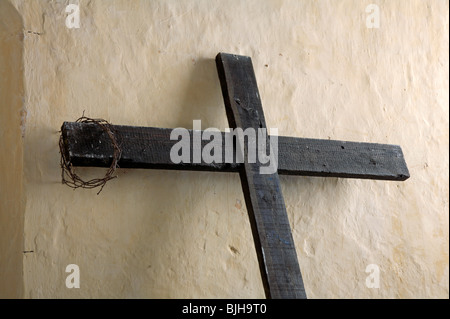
68 175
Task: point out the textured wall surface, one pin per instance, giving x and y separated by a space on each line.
11 152
322 73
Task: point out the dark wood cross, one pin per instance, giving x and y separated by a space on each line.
86 144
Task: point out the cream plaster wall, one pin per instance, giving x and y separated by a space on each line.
321 73
11 152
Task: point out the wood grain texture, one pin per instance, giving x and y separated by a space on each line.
274 243
87 144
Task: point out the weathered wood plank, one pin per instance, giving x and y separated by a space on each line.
265 204
86 144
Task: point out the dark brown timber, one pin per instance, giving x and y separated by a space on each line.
274 243
86 144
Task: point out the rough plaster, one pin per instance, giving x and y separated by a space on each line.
11 154
321 73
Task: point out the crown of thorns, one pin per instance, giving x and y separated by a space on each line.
68 175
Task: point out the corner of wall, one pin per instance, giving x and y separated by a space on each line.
11 154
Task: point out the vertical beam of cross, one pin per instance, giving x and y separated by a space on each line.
269 221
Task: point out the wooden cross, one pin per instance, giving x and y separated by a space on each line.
86 144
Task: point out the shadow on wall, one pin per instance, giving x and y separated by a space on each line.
11 155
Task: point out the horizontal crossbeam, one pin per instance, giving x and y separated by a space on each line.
87 144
